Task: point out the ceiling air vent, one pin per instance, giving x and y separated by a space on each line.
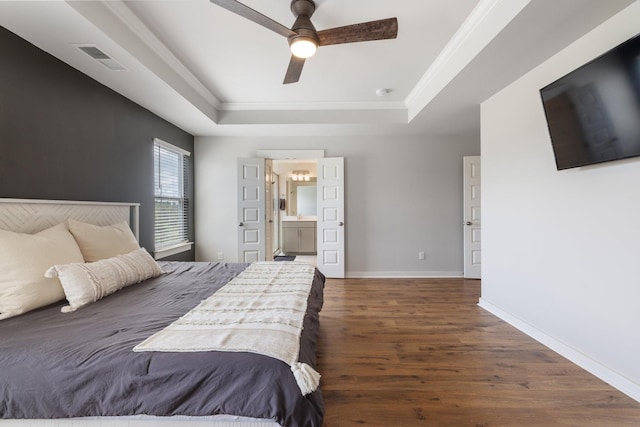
101 57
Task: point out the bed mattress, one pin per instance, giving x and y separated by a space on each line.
81 364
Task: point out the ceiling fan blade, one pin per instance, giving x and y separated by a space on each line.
294 70
255 16
366 31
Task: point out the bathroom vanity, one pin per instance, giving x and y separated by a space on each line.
299 235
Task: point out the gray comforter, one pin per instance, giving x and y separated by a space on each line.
81 364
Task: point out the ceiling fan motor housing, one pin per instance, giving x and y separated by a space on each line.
303 9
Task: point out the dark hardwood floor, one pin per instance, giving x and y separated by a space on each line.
420 352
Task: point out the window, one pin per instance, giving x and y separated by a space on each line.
171 182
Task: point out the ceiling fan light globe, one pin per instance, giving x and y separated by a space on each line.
303 47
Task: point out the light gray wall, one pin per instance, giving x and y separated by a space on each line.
403 195
561 248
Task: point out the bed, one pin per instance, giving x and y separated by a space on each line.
78 367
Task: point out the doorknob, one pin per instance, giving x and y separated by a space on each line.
242 224
468 223
341 223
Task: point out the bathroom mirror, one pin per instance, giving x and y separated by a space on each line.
302 197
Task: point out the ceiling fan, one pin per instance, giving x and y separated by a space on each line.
303 37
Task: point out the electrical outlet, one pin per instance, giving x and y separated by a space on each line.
220 256
421 255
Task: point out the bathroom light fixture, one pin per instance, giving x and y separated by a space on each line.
300 176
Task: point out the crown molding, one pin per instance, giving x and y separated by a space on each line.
312 106
137 27
484 23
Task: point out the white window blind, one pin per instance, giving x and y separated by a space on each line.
171 182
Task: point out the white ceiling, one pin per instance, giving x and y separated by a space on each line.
211 72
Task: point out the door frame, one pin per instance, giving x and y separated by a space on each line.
275 194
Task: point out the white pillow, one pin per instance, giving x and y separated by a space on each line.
104 242
87 283
24 258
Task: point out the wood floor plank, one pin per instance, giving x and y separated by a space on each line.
420 352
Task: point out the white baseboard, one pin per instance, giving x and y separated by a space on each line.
607 375
403 274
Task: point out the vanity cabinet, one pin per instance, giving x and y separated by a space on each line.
299 237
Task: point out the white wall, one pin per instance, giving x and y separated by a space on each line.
403 195
561 250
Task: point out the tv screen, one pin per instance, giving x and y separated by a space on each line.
593 113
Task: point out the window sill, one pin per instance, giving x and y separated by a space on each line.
172 250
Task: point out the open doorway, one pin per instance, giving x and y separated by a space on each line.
297 209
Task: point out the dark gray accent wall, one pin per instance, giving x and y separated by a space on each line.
64 136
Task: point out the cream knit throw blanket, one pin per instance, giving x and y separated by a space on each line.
260 311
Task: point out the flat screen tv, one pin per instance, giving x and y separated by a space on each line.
593 113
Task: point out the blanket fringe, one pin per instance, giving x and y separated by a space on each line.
308 379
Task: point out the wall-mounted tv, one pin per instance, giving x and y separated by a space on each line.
593 113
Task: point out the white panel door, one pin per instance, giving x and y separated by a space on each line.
251 210
330 233
472 243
